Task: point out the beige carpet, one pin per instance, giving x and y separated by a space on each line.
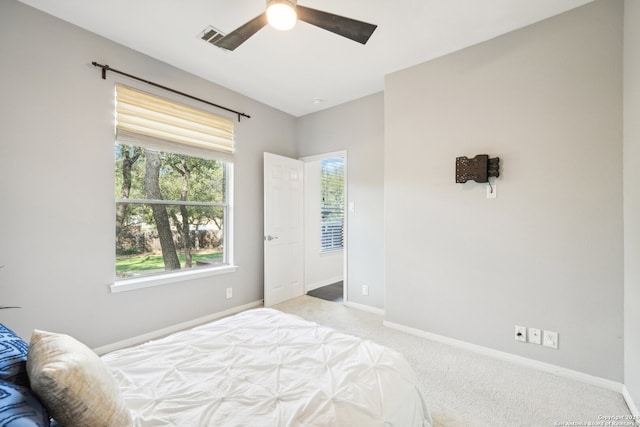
466 389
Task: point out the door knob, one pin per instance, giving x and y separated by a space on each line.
270 238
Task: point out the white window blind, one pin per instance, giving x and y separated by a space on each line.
152 121
332 204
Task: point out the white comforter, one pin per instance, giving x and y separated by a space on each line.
267 368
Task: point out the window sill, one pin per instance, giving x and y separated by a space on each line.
331 252
164 279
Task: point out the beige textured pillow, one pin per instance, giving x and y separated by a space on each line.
73 383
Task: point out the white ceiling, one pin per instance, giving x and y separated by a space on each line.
288 70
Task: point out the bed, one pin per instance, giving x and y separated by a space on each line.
263 367
257 368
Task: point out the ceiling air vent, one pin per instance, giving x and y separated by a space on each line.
211 35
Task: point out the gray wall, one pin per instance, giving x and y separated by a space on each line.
632 197
56 186
358 128
548 252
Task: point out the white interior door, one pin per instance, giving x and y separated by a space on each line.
283 229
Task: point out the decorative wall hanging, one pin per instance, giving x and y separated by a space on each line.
478 168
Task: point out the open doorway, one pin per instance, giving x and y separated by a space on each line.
325 223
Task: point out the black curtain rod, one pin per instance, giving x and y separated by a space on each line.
106 68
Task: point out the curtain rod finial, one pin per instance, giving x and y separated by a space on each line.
104 69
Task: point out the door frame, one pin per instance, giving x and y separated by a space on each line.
345 249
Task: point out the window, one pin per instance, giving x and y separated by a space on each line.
172 186
332 204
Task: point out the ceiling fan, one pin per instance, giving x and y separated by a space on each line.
282 14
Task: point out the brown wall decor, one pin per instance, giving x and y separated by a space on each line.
478 168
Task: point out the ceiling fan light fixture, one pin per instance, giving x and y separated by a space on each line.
281 14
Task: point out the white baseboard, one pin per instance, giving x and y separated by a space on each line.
363 307
524 361
175 328
630 403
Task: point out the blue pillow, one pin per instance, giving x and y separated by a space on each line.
19 407
13 357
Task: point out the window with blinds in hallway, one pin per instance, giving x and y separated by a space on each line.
332 204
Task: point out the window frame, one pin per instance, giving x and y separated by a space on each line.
174 276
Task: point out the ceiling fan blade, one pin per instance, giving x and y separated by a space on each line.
241 34
346 27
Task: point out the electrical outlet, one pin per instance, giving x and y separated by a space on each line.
365 290
521 333
229 293
550 339
534 335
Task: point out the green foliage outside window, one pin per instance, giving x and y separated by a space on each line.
170 211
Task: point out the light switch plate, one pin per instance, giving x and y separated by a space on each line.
492 191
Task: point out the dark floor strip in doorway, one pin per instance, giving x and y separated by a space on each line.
332 292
